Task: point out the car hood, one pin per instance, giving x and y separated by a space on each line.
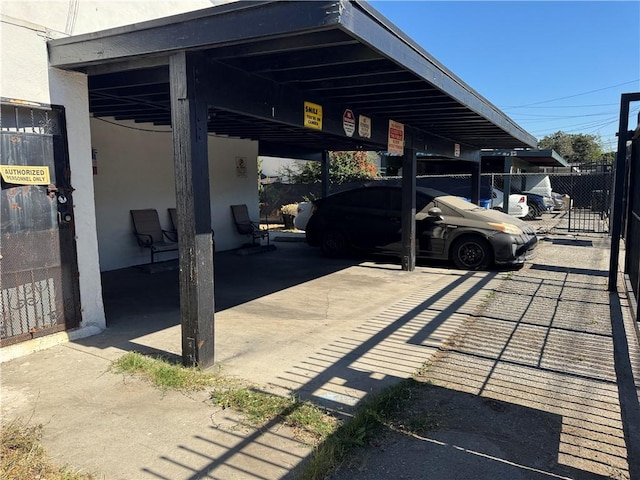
473 215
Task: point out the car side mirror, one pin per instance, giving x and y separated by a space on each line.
435 213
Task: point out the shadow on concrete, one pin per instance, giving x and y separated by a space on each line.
443 431
537 347
387 348
575 270
628 391
545 343
131 294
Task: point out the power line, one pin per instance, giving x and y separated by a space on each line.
572 96
542 118
612 118
577 106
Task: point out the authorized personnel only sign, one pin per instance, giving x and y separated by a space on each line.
25 175
396 138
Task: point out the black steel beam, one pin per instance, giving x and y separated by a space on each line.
131 90
373 84
237 91
300 42
144 76
217 26
476 171
346 56
268 149
345 72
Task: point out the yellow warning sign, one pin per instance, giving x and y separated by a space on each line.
313 115
25 175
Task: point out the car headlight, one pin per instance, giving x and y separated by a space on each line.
507 228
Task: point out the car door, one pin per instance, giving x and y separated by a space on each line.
376 226
361 215
430 231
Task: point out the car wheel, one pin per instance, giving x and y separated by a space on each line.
471 253
334 243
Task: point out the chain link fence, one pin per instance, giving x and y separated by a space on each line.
572 202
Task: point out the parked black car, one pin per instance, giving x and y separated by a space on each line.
447 227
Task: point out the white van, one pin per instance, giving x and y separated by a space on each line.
539 184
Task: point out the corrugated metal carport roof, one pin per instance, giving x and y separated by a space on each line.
344 54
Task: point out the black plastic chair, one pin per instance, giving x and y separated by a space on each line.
245 226
173 216
149 233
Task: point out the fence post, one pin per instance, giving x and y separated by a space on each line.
621 157
506 184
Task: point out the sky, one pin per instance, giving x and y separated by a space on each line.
549 65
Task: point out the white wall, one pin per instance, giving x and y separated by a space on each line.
74 17
135 170
25 75
25 27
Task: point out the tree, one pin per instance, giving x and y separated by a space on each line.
575 148
344 167
609 157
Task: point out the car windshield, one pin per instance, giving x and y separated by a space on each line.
459 203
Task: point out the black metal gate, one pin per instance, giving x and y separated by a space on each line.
632 231
590 189
39 292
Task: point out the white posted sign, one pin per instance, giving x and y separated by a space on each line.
395 142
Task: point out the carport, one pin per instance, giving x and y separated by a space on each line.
302 78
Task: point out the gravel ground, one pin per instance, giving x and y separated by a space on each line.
526 389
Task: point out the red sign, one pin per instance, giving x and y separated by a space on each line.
395 143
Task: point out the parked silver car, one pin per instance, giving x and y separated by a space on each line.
447 227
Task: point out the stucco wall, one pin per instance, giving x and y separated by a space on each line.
25 27
25 76
74 17
135 170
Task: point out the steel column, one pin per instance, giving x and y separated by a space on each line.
409 172
324 174
475 183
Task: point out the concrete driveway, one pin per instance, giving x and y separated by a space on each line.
290 320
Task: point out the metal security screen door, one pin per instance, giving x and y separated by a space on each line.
39 291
